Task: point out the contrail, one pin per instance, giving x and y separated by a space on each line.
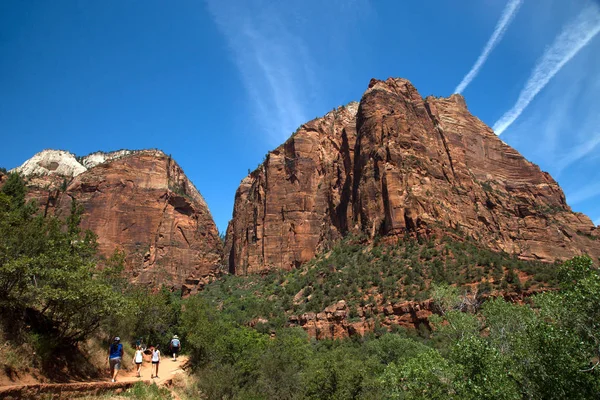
507 16
572 39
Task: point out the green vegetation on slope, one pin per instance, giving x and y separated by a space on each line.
47 270
540 350
377 274
53 295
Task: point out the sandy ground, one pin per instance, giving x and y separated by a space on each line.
166 369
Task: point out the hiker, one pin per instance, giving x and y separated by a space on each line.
175 346
115 356
138 358
155 361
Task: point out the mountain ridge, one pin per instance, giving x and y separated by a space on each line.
393 164
137 201
401 165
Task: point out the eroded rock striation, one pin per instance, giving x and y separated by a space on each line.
335 321
140 202
399 164
297 201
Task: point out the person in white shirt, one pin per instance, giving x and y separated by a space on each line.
138 359
155 361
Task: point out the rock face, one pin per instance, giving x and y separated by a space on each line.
51 162
140 202
297 201
399 164
334 321
99 157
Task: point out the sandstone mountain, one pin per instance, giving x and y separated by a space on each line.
137 201
393 165
297 201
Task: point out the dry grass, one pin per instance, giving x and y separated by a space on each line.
185 386
21 364
15 358
141 391
17 362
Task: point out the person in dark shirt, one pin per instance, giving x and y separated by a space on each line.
115 357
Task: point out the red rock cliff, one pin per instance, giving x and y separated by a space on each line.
140 202
399 164
145 205
297 201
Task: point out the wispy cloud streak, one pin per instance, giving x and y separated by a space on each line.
579 152
510 10
274 64
571 40
597 222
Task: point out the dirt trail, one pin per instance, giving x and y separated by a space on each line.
166 369
126 379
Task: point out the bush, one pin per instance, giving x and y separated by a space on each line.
427 376
48 270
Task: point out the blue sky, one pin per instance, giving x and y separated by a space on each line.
218 83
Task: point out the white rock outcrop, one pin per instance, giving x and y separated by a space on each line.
99 157
66 164
51 162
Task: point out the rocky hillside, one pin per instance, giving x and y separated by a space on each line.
137 201
399 164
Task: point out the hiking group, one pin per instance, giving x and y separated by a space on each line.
115 356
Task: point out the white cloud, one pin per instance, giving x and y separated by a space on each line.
275 65
277 46
579 152
597 222
574 121
556 118
562 129
571 40
510 10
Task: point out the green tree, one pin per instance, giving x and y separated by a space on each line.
427 376
14 187
153 317
339 373
282 363
48 270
